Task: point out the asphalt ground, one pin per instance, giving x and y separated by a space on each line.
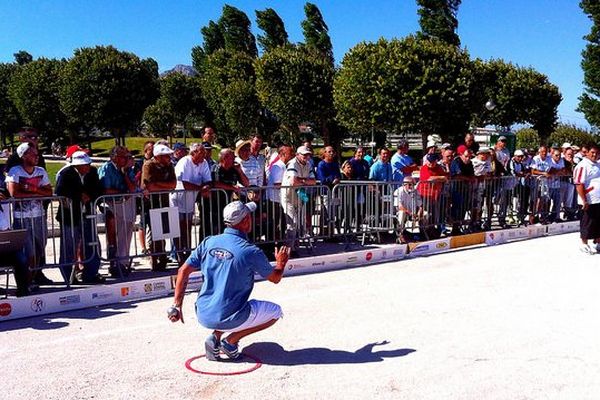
515 321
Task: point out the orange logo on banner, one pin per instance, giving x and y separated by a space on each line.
124 291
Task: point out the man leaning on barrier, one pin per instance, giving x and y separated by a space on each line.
25 182
117 178
228 263
158 175
80 184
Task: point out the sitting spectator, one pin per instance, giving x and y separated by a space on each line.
359 165
409 205
117 178
381 170
193 179
80 184
158 175
402 164
24 182
293 201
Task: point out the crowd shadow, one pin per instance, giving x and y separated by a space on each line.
49 322
273 354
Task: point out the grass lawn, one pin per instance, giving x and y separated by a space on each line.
52 168
101 148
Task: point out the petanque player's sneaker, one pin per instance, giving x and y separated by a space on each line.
587 249
231 350
211 345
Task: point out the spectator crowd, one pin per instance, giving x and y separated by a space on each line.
452 189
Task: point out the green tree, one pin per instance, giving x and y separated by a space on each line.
572 134
10 121
274 29
589 103
296 84
316 32
409 85
236 31
228 88
184 96
521 95
213 40
22 57
159 118
109 89
437 19
34 90
527 138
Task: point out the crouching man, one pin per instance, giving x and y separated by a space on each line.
228 263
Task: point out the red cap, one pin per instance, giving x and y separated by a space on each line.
72 149
461 149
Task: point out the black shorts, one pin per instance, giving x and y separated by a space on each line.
590 222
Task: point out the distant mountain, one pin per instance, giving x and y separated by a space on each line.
182 69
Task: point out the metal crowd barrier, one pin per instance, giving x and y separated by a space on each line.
351 210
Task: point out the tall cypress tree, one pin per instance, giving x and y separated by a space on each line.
213 41
236 31
589 103
438 20
316 32
272 25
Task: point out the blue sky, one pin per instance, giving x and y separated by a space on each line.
544 34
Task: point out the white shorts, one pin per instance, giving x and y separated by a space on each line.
261 312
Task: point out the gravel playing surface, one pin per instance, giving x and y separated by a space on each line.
517 321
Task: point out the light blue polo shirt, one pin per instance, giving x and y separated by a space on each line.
228 263
398 162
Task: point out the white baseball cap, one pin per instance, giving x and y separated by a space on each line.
80 158
236 211
519 153
303 150
566 145
161 150
23 147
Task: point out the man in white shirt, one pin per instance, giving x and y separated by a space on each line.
276 226
193 177
293 200
586 177
408 203
541 166
24 182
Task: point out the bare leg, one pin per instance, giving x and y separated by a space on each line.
235 337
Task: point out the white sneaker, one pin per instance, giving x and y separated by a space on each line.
585 248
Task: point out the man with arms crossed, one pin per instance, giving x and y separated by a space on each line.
228 263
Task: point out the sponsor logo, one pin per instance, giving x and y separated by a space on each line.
368 256
352 259
398 252
421 248
71 299
159 286
5 309
125 291
37 304
101 295
147 288
220 254
441 245
318 264
384 253
491 235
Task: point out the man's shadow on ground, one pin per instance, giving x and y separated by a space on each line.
273 354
